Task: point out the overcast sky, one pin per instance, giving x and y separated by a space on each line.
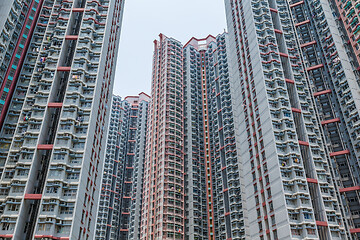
144 20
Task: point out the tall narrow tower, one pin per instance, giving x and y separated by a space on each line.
163 196
214 203
57 78
192 182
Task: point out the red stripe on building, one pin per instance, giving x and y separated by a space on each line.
308 44
283 54
322 92
355 230
312 180
71 37
45 146
303 143
321 223
296 110
315 67
32 196
349 189
330 121
55 105
333 154
64 69
78 9
302 23
296 4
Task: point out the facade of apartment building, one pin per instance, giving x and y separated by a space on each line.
120 199
212 180
163 186
297 112
192 187
57 67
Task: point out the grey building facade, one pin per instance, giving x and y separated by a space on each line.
57 69
297 89
211 157
120 200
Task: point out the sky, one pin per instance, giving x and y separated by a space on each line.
144 20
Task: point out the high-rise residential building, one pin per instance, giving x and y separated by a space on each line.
57 67
163 186
296 101
343 125
192 187
213 201
120 200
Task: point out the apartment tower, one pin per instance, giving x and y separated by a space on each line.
347 124
192 187
120 200
295 98
212 171
57 67
163 187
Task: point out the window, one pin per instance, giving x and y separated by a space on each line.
14 207
255 187
311 231
73 176
89 223
267 179
82 217
257 200
65 127
48 208
70 193
85 199
79 237
271 206
275 234
51 190
67 210
273 222
23 172
269 192
294 216
5 226
295 232
265 167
